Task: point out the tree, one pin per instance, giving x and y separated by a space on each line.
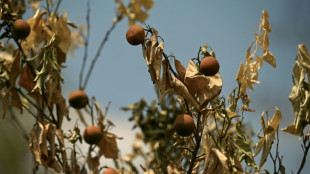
218 142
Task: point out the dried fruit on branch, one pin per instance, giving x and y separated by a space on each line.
135 35
209 66
184 125
21 29
78 99
203 88
92 134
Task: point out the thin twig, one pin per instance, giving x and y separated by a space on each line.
307 147
57 6
105 39
86 43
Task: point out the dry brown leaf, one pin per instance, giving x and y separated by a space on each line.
222 159
203 88
42 135
60 136
58 25
108 146
165 85
74 168
26 78
36 34
157 61
180 69
93 164
183 91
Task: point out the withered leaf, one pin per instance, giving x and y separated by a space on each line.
203 88
299 97
269 58
181 89
108 146
269 131
93 164
42 135
180 69
165 85
26 78
60 136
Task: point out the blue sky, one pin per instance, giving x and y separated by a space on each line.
121 76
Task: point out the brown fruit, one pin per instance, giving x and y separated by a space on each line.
78 99
209 66
21 29
92 134
110 171
184 125
135 35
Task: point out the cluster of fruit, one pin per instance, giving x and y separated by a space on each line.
184 124
92 135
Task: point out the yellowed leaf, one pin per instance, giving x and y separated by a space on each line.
222 158
36 35
304 56
269 131
269 58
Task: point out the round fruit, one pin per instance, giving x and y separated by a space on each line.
92 134
209 66
110 171
78 99
135 35
184 125
21 29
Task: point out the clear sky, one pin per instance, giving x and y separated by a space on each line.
121 76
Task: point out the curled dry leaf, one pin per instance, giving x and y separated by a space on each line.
42 144
248 74
218 162
58 25
152 52
181 89
269 130
180 69
10 65
203 88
